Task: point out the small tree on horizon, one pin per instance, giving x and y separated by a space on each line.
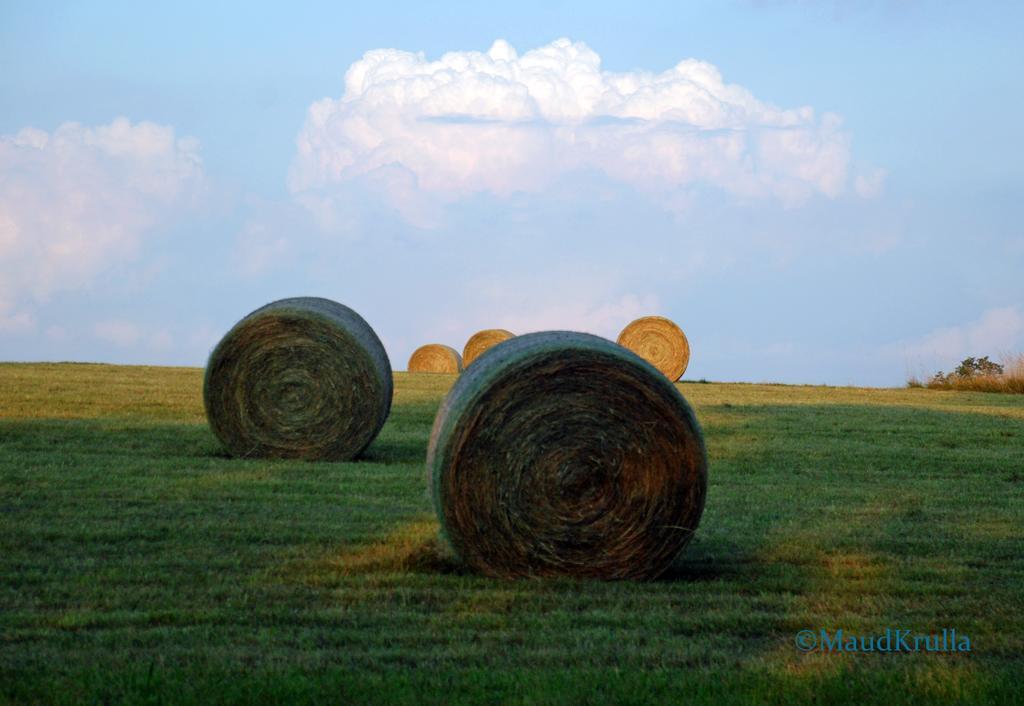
969 368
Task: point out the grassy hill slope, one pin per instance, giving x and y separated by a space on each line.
138 562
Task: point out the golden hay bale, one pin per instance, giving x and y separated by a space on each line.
660 342
298 378
481 341
435 358
563 454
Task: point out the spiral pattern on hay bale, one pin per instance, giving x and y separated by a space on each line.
298 378
660 342
563 454
481 341
435 358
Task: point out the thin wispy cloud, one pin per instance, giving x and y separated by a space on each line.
998 331
79 199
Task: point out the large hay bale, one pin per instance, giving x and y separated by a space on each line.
435 358
562 453
481 341
298 378
660 342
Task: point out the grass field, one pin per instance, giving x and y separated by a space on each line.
139 564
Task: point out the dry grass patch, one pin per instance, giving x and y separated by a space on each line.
982 376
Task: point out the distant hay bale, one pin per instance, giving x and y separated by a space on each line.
660 342
298 378
435 358
563 454
481 341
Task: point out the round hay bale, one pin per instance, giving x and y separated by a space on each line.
481 341
298 378
563 454
435 358
660 342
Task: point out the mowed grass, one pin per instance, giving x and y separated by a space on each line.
139 564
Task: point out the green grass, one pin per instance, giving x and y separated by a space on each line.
140 564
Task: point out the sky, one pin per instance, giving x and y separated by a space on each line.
817 192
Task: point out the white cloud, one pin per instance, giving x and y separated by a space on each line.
258 247
501 122
997 332
570 298
120 333
76 200
126 334
56 334
524 305
15 321
161 340
871 184
603 317
204 336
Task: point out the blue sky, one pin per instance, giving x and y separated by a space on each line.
827 192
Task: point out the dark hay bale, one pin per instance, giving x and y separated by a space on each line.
435 358
481 341
660 342
298 378
563 454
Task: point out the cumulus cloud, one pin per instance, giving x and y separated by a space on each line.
501 122
76 200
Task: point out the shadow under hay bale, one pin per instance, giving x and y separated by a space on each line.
298 378
660 342
563 454
481 341
435 358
